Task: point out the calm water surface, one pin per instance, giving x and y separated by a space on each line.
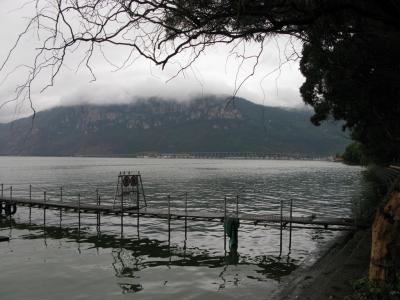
57 262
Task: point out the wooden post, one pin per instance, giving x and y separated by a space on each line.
98 213
290 225
99 221
122 212
141 185
10 203
237 216
186 207
169 219
44 208
79 213
137 192
138 225
30 205
281 228
225 224
137 206
2 194
237 206
61 200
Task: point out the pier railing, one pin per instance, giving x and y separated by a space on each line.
93 203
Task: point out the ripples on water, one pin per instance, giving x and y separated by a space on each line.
66 264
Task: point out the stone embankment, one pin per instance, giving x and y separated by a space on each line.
333 274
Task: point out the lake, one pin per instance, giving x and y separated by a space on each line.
58 262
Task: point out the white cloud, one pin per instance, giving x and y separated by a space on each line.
216 71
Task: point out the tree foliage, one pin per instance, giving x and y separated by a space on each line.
354 76
354 155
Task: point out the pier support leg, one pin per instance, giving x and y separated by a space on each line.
281 228
30 205
1 203
98 213
44 209
138 225
237 206
138 211
237 217
122 214
79 215
186 199
169 220
61 200
98 216
290 225
224 226
10 203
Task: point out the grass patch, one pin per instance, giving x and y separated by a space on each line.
367 290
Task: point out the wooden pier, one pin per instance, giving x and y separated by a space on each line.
130 201
195 215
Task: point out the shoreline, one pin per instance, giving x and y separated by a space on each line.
283 157
334 271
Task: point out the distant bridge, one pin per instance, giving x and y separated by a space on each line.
235 155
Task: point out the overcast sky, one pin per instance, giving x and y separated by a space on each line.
213 73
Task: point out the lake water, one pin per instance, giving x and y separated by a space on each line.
57 262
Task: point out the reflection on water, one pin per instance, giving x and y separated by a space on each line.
130 257
147 261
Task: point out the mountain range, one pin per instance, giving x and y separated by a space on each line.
204 124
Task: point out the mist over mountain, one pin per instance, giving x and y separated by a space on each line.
207 124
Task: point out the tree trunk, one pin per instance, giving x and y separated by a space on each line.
384 235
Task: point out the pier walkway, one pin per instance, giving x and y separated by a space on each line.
332 223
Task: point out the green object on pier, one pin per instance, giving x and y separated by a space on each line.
4 238
231 229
